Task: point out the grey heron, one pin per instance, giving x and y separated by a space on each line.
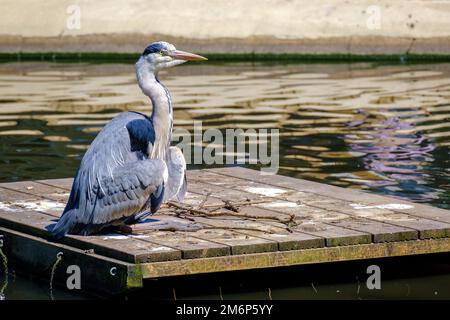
129 169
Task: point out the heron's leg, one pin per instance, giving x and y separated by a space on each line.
138 218
141 223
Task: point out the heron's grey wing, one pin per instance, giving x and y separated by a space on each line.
133 188
176 183
115 176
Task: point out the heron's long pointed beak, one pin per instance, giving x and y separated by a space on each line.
183 55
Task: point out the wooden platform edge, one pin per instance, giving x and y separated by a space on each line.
294 257
98 273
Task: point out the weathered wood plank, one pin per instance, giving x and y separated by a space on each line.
294 257
38 189
7 195
427 228
49 207
414 209
380 231
262 228
289 240
64 183
334 235
223 193
334 192
272 231
191 247
238 242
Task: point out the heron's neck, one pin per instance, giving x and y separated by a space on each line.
161 117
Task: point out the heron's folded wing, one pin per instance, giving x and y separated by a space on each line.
130 189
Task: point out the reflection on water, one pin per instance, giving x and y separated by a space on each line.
380 128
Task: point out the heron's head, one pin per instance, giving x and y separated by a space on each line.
160 55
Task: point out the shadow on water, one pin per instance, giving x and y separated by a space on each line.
381 128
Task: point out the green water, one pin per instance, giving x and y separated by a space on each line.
381 128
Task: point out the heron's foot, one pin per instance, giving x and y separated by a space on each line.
124 229
158 225
171 226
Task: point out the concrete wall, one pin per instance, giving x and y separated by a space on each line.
345 26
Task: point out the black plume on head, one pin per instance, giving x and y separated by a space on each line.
153 48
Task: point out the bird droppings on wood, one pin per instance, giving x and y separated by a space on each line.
392 206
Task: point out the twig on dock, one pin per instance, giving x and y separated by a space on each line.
237 228
205 213
204 200
230 206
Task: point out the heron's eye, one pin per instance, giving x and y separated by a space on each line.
163 52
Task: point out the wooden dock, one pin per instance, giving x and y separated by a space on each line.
239 220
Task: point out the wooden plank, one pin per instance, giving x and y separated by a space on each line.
289 240
191 247
427 228
334 235
271 231
64 183
115 246
238 242
7 195
380 231
413 209
38 189
334 192
262 228
299 185
308 223
49 207
100 274
125 247
294 257
223 193
195 199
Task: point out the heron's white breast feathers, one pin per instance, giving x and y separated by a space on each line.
165 174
